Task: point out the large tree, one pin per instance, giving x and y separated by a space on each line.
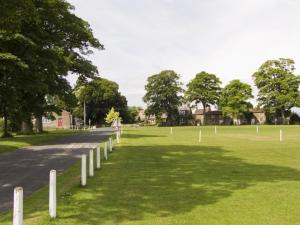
234 100
100 95
52 43
205 89
278 86
12 67
163 95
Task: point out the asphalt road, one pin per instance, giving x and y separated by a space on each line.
29 167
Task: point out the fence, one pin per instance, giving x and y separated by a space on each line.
18 191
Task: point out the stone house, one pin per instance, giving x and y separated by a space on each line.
212 117
216 117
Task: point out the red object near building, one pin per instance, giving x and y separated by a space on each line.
59 123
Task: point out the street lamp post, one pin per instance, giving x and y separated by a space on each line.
84 115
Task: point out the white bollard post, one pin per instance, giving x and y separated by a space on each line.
200 136
18 206
98 155
83 170
52 194
171 130
110 145
105 151
215 129
280 135
257 129
91 167
118 137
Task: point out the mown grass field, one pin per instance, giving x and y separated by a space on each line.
234 177
20 141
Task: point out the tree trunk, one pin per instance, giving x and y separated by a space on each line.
282 116
204 112
26 127
39 124
5 131
5 128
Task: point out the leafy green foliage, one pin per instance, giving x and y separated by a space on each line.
278 86
234 98
41 42
163 95
204 88
112 115
133 113
100 96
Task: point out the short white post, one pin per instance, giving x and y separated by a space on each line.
83 170
171 130
280 135
118 137
257 129
105 151
98 157
91 167
215 129
18 206
200 136
110 145
52 194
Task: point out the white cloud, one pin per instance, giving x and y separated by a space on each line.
230 38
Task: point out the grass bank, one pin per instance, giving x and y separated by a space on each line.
234 177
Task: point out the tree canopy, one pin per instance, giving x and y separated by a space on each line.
234 100
100 95
163 95
112 115
278 86
205 89
41 42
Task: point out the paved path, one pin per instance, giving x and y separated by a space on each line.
29 168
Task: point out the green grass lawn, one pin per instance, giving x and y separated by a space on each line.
234 177
19 141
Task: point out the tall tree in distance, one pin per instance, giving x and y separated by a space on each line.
100 95
234 100
163 95
205 89
278 86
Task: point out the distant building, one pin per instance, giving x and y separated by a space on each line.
211 117
151 120
216 117
259 116
141 116
64 120
185 116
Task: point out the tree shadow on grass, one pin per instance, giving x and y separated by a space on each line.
163 181
131 135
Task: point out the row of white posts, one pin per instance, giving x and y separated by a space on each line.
200 134
18 191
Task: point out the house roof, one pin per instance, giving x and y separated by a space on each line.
214 112
257 111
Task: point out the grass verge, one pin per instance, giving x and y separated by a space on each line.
234 177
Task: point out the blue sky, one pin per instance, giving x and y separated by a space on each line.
230 38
